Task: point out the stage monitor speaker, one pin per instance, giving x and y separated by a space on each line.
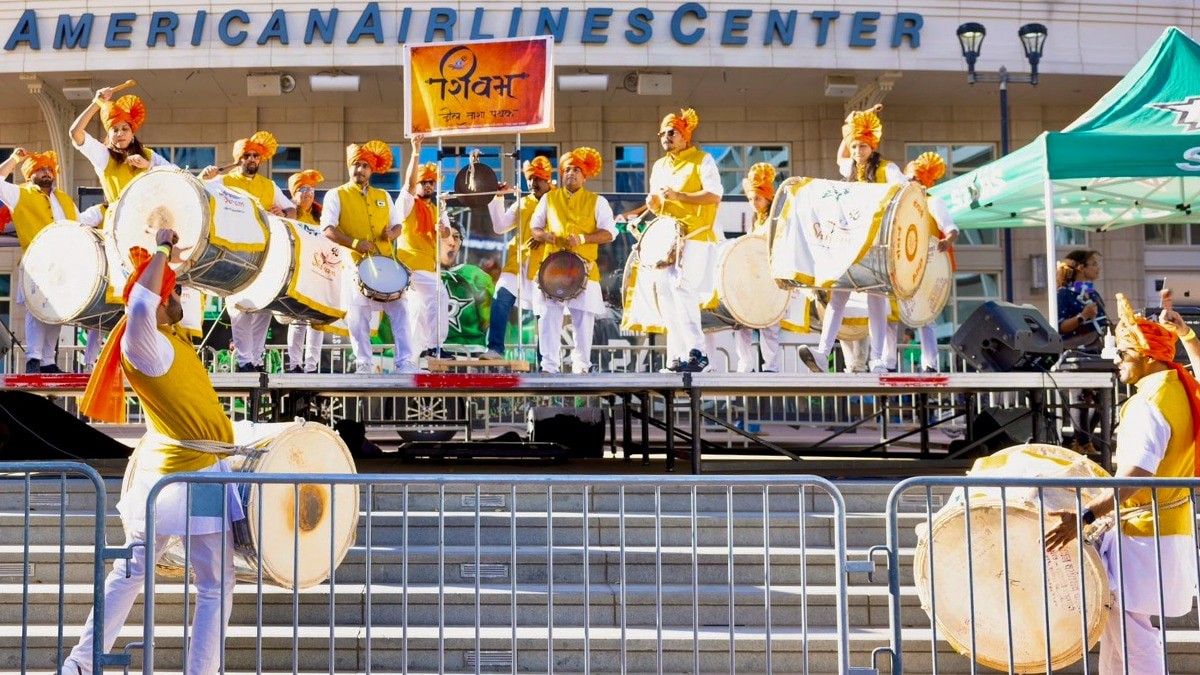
1001 337
579 430
1015 426
1191 316
32 427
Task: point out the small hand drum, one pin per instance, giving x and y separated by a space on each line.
382 279
660 243
563 275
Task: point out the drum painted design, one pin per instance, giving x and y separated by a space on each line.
749 296
941 558
660 243
64 278
563 275
222 231
929 300
910 225
383 279
300 264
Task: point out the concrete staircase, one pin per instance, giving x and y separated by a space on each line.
632 588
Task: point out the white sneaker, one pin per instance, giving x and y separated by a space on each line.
816 360
408 368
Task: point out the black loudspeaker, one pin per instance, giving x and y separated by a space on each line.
33 428
579 430
1015 426
1001 337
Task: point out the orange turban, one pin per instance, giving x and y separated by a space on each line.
587 159
308 178
538 167
427 172
39 160
760 180
927 169
261 142
865 127
377 155
685 123
128 108
104 398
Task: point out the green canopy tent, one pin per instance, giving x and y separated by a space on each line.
1133 158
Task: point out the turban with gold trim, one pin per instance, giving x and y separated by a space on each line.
539 168
128 108
865 127
760 180
928 169
427 172
262 143
308 178
685 123
39 160
377 155
588 161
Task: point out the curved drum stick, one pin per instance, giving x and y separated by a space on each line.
124 85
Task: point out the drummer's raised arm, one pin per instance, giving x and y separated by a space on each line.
78 129
414 164
10 165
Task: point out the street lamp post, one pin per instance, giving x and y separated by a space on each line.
1033 38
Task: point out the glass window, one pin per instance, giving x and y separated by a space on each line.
629 168
1067 236
734 160
286 162
528 152
1161 234
5 298
5 153
971 289
189 158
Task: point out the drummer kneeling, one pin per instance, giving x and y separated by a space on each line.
1157 437
575 220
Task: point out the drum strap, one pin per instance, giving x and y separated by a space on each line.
219 448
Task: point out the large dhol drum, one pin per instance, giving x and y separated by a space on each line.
222 231
868 237
931 298
660 243
563 275
1072 582
382 279
64 278
749 296
300 278
299 534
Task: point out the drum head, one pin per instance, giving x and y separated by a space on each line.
383 275
275 272
659 243
163 198
929 300
745 286
1071 579
563 275
908 241
64 273
313 514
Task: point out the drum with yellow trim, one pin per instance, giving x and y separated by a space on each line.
301 277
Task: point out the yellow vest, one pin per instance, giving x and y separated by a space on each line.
179 404
880 171
117 175
418 252
365 216
33 212
685 177
568 214
308 218
1165 392
533 259
258 186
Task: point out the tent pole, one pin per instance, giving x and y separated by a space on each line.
1051 257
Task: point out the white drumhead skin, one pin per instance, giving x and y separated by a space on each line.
908 241
745 285
322 513
658 240
163 198
929 300
63 272
382 274
276 270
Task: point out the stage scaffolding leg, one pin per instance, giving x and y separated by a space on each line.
695 421
1037 403
923 420
612 424
669 417
627 426
646 406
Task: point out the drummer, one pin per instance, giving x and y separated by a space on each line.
858 161
250 328
426 299
180 404
361 218
1158 433
304 341
121 157
520 263
575 219
685 185
35 204
926 170
759 187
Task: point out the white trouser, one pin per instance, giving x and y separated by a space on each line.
358 321
125 583
91 351
41 339
304 342
680 308
428 306
1144 648
877 324
550 324
929 345
856 353
249 335
768 342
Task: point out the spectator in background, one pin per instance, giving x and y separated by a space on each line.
1081 323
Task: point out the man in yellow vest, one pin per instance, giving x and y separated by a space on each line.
685 185
520 263
361 218
249 329
575 219
427 300
149 349
35 204
1157 437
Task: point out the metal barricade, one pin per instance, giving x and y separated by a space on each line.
1000 605
543 574
59 510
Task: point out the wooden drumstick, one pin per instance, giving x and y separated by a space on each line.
124 85
228 167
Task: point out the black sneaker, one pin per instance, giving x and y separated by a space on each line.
33 366
434 354
51 369
246 368
697 362
674 367
295 370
